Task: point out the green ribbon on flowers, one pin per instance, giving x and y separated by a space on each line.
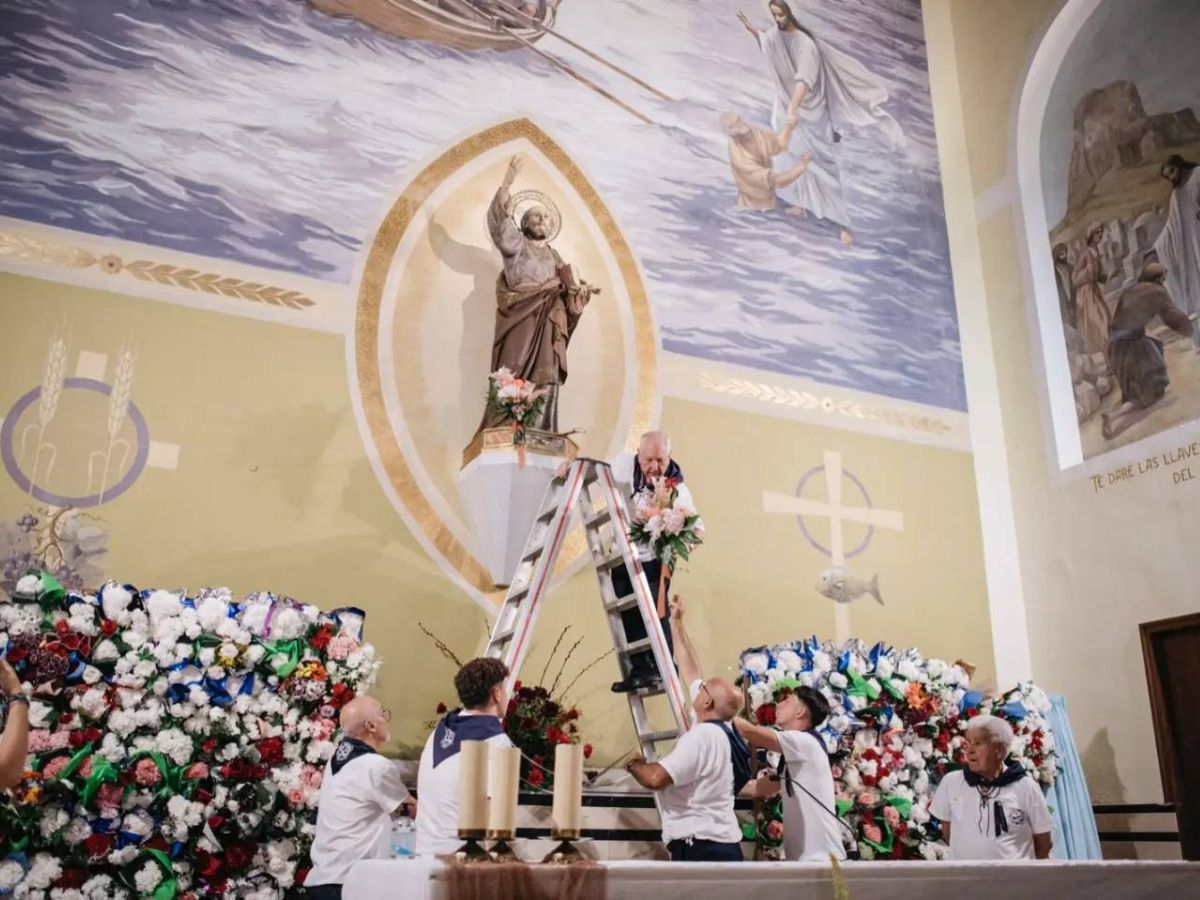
902 805
52 591
843 806
790 684
891 687
289 650
167 889
73 764
859 686
103 772
885 845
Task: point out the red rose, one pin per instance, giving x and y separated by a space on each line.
301 874
215 822
342 694
441 709
271 751
516 686
98 845
108 627
71 878
972 713
765 714
320 638
91 735
239 856
76 739
61 626
158 842
536 777
66 718
208 745
587 751
202 795
207 865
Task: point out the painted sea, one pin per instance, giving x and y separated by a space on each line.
267 132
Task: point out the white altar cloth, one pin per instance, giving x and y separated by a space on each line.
425 879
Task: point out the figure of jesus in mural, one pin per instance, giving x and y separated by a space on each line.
539 301
823 90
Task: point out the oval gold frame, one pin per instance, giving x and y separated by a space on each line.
439 540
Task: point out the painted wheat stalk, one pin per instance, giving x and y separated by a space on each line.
118 412
54 374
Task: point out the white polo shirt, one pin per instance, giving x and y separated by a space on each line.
973 830
354 816
699 802
810 833
437 796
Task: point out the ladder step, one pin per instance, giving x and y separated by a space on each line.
658 737
503 636
610 562
629 601
637 647
605 515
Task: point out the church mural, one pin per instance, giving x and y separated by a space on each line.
772 166
1120 147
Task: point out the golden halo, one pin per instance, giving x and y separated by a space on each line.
523 200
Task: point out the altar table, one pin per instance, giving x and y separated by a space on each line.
427 879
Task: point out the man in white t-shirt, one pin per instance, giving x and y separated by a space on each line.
361 792
480 687
991 810
710 765
811 827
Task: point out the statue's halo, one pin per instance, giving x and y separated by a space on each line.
523 200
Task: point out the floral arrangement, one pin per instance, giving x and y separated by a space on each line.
537 718
177 741
897 724
518 401
670 527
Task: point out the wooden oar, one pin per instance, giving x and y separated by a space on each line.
546 29
582 79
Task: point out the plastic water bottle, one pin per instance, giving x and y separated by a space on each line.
404 838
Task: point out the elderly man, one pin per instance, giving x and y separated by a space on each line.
992 809
710 765
811 827
360 794
480 688
635 473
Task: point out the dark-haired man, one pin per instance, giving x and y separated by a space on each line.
810 826
1178 244
480 688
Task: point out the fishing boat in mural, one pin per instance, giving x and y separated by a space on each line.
453 23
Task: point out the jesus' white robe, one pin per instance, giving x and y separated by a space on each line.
841 94
1178 245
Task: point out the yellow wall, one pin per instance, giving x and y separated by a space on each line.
1092 565
273 491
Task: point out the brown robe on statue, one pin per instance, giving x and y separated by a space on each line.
537 308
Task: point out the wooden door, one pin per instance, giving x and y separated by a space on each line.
1171 648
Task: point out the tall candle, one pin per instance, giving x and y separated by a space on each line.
567 814
506 777
472 787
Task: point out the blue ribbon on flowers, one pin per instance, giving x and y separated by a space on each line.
126 838
247 685
844 661
177 848
970 700
1016 709
218 693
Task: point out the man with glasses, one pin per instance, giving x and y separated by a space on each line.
710 765
361 792
480 687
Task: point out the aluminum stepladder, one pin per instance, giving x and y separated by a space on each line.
590 487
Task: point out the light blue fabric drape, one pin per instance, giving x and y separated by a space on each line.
1075 835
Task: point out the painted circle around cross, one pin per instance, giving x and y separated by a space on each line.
846 473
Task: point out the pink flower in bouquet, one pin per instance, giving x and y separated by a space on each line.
891 815
146 772
296 797
673 519
85 771
196 771
867 799
109 796
323 729
42 740
342 646
775 830
311 777
55 766
872 833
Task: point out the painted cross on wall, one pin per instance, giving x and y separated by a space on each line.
839 513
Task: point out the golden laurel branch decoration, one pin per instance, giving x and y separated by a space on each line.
22 247
797 399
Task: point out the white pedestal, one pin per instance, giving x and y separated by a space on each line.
502 500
